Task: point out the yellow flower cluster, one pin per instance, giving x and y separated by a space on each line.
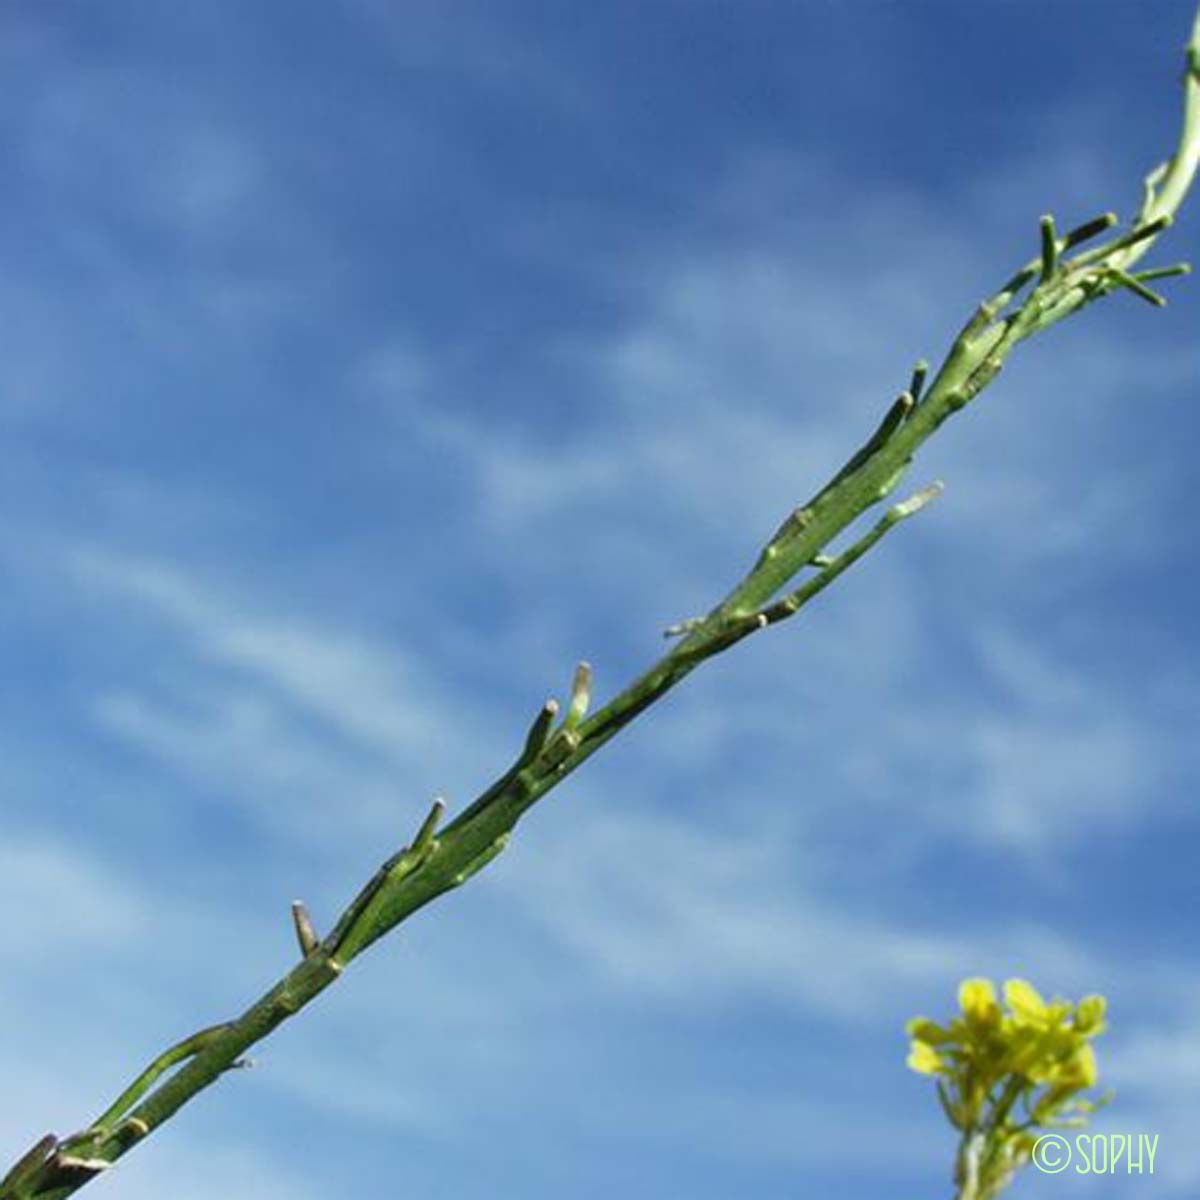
1004 1071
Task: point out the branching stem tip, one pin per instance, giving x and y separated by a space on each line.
306 935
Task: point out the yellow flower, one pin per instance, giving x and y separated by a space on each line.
977 999
925 1060
1080 1071
1089 1016
1026 1005
925 1030
990 1057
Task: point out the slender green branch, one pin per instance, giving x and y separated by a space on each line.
794 601
28 1167
1051 287
142 1084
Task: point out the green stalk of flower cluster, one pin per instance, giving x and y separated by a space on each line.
1055 284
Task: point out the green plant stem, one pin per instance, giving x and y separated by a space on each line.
436 862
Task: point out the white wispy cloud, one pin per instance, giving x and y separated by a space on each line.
665 908
79 901
274 706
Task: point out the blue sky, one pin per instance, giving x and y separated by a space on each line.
367 365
